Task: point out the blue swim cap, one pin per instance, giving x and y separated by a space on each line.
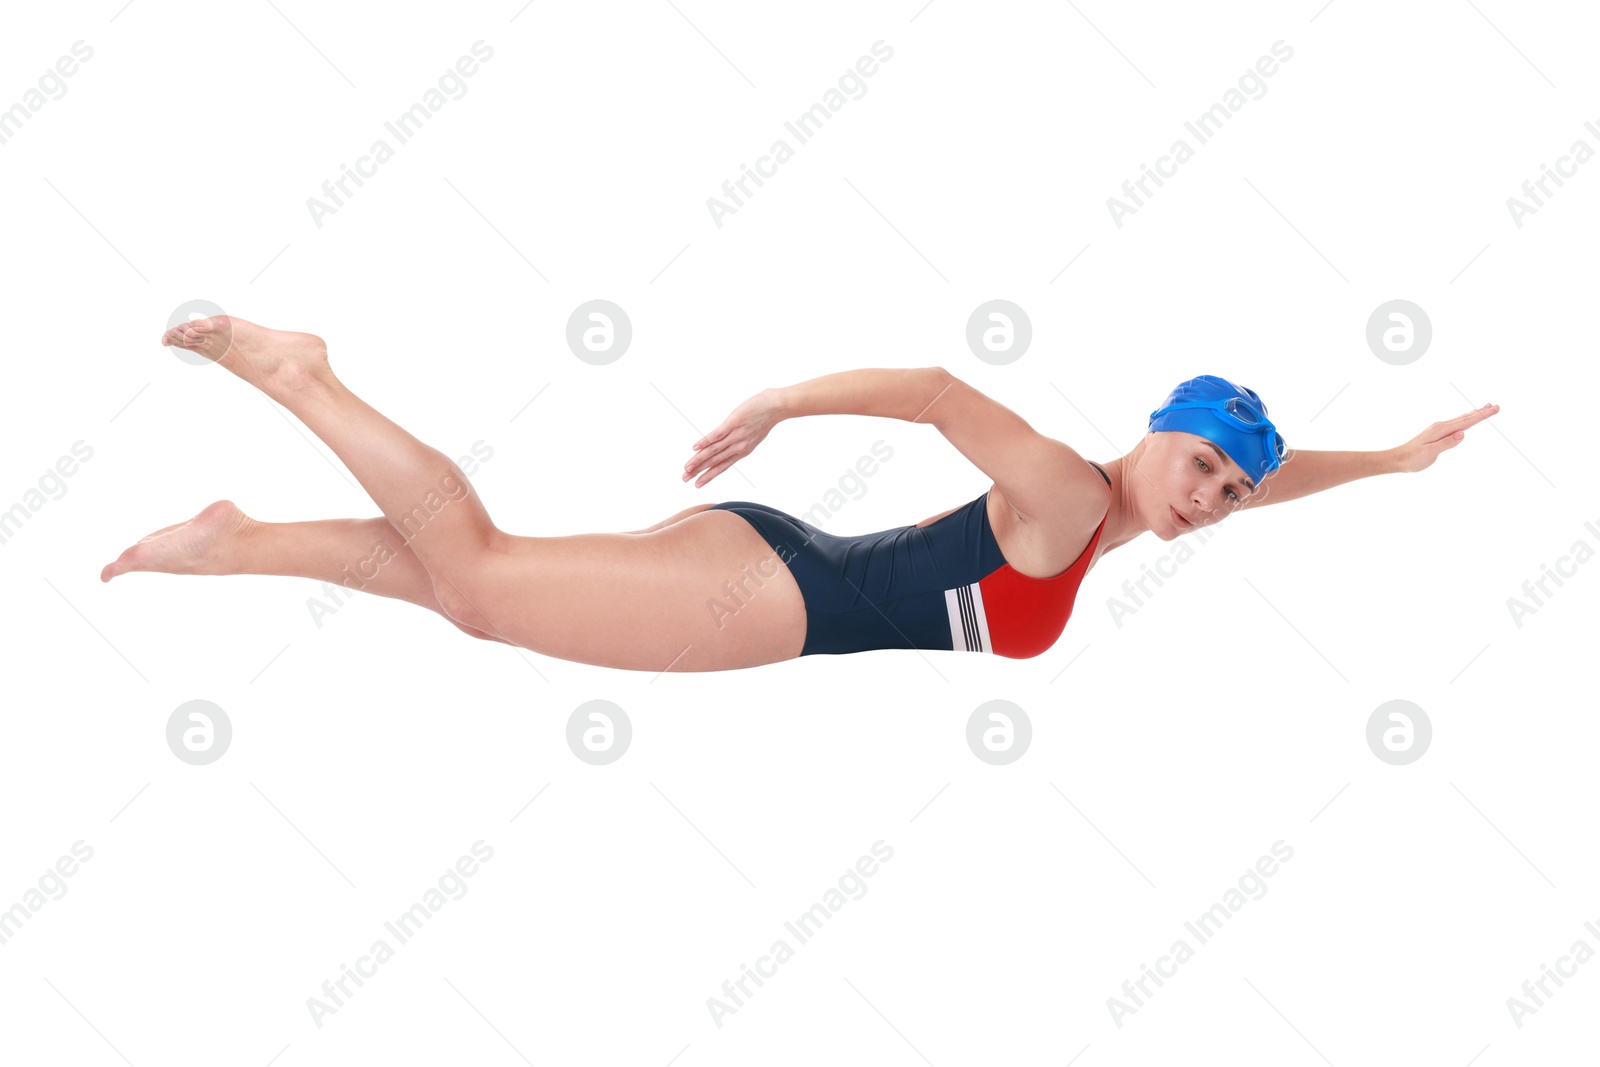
1229 416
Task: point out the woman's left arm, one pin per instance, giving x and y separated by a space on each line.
1305 472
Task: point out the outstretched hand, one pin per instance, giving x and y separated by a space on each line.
1419 452
736 438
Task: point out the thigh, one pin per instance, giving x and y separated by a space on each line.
679 517
705 593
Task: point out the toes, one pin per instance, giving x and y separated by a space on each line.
214 334
181 337
199 332
216 324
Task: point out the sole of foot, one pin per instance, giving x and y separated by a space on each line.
197 546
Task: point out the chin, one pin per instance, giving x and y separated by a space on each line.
1164 529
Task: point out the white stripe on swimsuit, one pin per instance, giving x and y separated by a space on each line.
969 626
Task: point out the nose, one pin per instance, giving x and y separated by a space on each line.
1205 502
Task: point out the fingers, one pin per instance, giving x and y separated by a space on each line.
713 437
1463 421
701 457
716 450
1450 439
697 463
707 447
705 459
1447 430
714 471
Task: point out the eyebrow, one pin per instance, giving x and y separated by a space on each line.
1224 460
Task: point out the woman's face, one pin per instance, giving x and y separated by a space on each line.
1185 474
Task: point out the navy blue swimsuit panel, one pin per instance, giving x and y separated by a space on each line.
883 589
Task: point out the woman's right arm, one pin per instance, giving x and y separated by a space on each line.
1042 479
891 394
904 394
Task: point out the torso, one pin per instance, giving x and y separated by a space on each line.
1026 552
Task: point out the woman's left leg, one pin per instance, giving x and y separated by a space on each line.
355 554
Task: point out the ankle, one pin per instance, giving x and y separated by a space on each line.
293 385
236 550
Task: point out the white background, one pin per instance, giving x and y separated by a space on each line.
1168 753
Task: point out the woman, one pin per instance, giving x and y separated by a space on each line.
737 584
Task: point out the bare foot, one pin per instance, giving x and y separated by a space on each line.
271 360
198 546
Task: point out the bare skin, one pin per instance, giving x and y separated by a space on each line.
641 600
569 597
222 539
1174 471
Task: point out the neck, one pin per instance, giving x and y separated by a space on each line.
1122 520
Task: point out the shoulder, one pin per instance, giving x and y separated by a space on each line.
1039 477
1050 539
1067 490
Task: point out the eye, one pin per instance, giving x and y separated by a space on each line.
1204 467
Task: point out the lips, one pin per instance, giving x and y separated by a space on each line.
1179 519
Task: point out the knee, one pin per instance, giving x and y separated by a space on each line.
474 632
456 603
458 608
